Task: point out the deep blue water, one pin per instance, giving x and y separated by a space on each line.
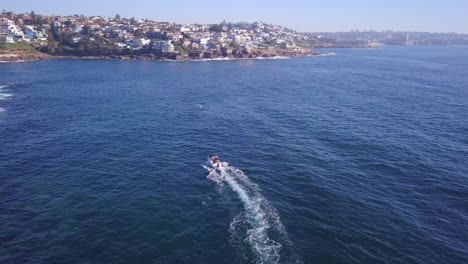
360 157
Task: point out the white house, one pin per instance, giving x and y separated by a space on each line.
163 45
7 22
144 41
185 29
138 43
121 45
201 41
9 39
76 39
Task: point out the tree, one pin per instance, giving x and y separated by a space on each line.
33 15
216 28
51 45
55 33
139 33
86 30
117 17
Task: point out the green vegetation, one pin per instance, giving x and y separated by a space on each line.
17 46
181 49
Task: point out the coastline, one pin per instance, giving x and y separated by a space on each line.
22 56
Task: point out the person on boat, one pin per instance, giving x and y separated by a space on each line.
214 160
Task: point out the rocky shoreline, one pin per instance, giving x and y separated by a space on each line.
7 55
20 55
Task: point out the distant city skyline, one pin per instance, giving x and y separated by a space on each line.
301 15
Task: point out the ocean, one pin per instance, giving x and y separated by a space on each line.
356 157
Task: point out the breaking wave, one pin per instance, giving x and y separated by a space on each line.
323 54
273 58
258 224
3 96
233 59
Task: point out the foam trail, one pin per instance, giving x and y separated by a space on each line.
259 217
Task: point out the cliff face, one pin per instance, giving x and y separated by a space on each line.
21 55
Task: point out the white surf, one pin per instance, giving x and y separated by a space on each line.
3 94
258 220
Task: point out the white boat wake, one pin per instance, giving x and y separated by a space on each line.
258 222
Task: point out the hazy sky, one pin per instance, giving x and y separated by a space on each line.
302 15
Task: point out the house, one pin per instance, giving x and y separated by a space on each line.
30 32
9 39
185 29
144 41
138 43
163 45
176 37
6 22
76 39
288 45
11 29
201 41
122 45
239 39
28 20
27 39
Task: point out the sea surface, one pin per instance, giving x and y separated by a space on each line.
360 157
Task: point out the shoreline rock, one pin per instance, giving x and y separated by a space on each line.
18 56
11 55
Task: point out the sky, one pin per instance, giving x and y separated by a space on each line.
301 15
